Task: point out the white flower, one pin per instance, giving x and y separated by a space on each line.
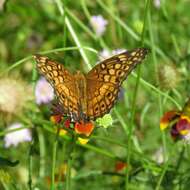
16 137
98 23
1 4
43 92
118 51
13 95
159 156
186 138
157 3
105 53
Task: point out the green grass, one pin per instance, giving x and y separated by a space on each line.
60 29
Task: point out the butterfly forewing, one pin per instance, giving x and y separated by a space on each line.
104 80
62 81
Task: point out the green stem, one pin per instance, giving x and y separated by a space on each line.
153 47
69 165
54 160
128 157
42 152
30 166
128 29
170 157
73 34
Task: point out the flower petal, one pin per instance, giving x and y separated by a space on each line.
82 140
84 128
120 165
167 118
56 118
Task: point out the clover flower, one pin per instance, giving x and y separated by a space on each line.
16 137
43 92
13 95
98 23
179 123
169 76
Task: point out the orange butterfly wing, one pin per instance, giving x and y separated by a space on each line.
104 80
63 83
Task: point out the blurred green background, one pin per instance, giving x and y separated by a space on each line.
102 28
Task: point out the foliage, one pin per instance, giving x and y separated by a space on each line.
65 31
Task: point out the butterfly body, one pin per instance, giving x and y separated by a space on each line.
85 97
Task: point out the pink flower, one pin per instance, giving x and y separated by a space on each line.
43 92
16 137
98 23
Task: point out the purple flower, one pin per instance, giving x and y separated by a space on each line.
98 23
43 92
16 137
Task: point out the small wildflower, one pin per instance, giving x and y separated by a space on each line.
168 76
167 118
138 25
56 118
117 51
105 121
62 132
2 2
43 92
28 66
67 123
159 156
13 95
98 23
120 165
16 137
83 140
105 53
79 127
179 122
157 3
84 128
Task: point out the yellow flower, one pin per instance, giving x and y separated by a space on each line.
83 140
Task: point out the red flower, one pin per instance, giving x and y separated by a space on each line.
67 123
84 128
56 118
120 165
179 122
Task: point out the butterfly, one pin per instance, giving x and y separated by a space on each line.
85 97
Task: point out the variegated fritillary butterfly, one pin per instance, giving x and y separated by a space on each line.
87 97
